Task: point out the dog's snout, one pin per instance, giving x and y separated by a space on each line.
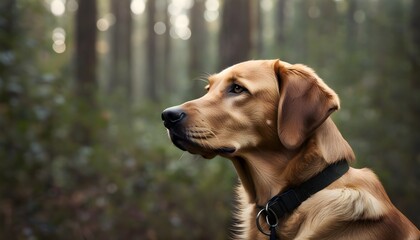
172 116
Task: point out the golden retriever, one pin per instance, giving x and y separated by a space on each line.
272 120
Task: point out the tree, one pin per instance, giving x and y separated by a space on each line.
8 25
280 21
86 34
415 40
197 41
167 79
151 81
300 30
415 87
121 49
257 27
86 82
235 33
351 26
10 144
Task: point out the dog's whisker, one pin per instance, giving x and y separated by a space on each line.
204 77
182 155
204 143
207 143
212 133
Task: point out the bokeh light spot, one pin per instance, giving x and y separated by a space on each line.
57 7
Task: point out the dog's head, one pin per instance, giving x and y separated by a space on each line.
250 106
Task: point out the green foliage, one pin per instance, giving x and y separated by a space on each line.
127 182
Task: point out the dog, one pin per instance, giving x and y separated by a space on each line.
272 120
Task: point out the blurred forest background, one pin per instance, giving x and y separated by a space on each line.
83 152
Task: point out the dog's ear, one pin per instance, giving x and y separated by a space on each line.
305 103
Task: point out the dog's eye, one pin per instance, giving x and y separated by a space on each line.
237 89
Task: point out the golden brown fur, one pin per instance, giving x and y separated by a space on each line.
277 132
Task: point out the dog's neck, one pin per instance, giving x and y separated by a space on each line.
267 172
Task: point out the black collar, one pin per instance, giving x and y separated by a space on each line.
286 202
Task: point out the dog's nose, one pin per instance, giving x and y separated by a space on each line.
173 115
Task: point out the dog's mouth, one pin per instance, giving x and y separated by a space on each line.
194 144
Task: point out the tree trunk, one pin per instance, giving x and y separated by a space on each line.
197 41
86 33
167 57
257 25
415 84
86 83
415 39
351 26
302 32
8 24
151 81
9 143
235 33
121 49
280 22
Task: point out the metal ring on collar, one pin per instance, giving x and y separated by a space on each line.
258 222
266 220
